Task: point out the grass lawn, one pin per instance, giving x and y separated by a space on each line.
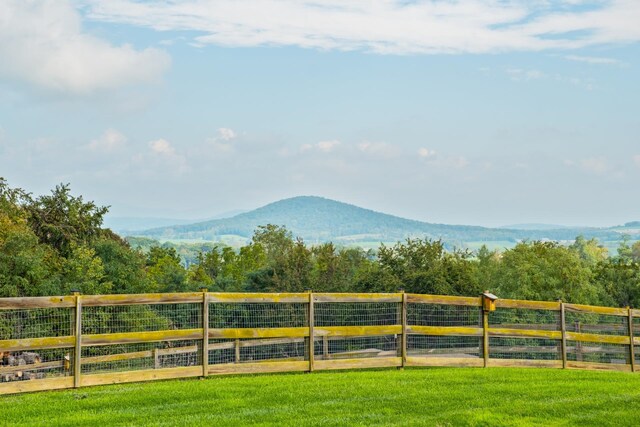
437 396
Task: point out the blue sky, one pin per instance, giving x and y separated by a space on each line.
478 112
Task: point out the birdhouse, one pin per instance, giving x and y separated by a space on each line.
488 301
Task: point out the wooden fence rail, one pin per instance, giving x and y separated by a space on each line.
51 343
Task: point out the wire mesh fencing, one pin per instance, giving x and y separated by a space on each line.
62 342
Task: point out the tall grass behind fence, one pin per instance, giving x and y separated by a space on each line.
81 340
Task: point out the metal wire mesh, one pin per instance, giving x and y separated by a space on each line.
140 318
257 350
519 318
258 315
36 323
36 364
597 352
443 315
137 356
593 323
524 348
357 314
327 348
437 346
636 326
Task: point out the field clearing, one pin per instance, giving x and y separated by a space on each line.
436 396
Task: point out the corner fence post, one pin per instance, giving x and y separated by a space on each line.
403 350
485 337
205 331
632 352
77 352
563 330
311 332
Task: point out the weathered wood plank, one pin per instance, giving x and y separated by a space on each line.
563 331
241 297
331 331
363 363
116 357
37 343
632 350
485 337
635 312
610 311
610 339
599 366
445 361
445 330
259 332
525 363
636 341
403 320
351 297
311 320
130 299
258 367
142 375
254 343
527 333
205 333
138 354
146 336
529 305
37 302
34 367
36 385
443 299
77 332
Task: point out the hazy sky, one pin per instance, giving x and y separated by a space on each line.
484 112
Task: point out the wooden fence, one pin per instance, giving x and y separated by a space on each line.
72 341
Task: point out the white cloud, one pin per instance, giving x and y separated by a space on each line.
596 165
597 60
426 153
518 74
327 146
388 27
110 140
42 43
380 149
162 147
227 134
322 146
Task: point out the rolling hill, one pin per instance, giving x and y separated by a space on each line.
317 219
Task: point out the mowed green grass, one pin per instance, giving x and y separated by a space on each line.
438 396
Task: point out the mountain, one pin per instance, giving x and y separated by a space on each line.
130 224
317 219
536 226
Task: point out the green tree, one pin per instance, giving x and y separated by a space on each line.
165 271
61 220
545 271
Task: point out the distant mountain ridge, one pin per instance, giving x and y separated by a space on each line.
317 219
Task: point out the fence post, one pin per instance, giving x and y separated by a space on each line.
77 352
311 334
563 343
632 352
485 337
403 350
205 331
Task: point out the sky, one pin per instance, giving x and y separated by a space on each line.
482 112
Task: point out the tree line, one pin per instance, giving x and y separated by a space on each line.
54 243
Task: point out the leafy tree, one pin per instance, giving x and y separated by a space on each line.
545 271
62 220
123 267
165 271
590 251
